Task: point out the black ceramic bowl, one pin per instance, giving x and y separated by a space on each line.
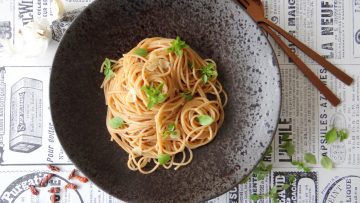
218 29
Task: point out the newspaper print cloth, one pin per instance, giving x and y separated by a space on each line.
331 27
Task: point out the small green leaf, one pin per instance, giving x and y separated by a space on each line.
331 136
260 176
154 95
285 137
291 179
170 131
326 162
107 69
301 166
171 127
262 170
177 46
273 191
310 158
295 163
204 120
306 169
116 122
268 151
208 72
343 134
254 197
204 78
269 167
285 186
163 158
275 199
289 147
186 95
141 52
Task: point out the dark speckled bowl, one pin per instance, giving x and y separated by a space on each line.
218 29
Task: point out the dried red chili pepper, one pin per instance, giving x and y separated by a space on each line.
53 198
71 186
72 174
81 178
33 190
53 168
54 190
45 180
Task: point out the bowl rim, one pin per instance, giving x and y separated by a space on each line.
278 106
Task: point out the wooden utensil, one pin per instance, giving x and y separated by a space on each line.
256 10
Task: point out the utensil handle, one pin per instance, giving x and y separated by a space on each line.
312 54
334 100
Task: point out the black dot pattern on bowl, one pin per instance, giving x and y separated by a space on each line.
220 30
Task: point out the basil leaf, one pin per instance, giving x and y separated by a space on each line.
310 158
171 127
116 122
254 197
141 52
154 95
107 69
163 158
291 179
331 136
343 134
177 46
326 162
204 120
208 72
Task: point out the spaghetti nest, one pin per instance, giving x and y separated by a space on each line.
163 101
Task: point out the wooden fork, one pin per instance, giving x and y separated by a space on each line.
256 10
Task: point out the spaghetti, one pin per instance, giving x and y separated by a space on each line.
163 101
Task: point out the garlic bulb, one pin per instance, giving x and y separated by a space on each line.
33 38
57 8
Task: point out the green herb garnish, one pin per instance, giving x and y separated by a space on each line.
301 165
310 158
272 194
291 179
285 186
343 135
177 46
256 197
186 95
326 162
163 158
333 134
288 145
116 122
107 69
141 52
208 72
262 170
154 95
204 120
170 131
268 151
